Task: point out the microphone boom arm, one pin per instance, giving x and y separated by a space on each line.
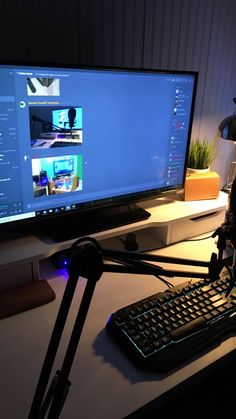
88 261
44 123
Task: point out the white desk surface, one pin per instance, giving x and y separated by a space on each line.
104 383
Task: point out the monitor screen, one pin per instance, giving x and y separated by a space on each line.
63 167
61 119
131 146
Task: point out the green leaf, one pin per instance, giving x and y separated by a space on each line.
201 154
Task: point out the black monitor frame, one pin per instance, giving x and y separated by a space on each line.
123 204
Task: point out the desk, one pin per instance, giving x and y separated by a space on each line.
56 142
104 383
63 184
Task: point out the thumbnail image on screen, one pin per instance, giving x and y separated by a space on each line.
56 175
47 131
43 86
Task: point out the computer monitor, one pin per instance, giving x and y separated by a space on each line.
63 167
136 133
60 118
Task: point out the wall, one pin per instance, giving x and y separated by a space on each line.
173 34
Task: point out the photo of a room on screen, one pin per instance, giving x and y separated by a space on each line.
55 126
57 175
43 86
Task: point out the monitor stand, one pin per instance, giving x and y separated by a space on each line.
92 221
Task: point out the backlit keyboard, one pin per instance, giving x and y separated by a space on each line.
163 330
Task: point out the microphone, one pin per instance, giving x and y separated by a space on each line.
71 117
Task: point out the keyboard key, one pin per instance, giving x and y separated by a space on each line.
188 328
220 302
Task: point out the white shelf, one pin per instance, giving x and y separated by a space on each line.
171 220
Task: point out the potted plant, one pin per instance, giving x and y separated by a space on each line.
200 181
201 155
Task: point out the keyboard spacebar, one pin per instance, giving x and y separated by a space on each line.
188 328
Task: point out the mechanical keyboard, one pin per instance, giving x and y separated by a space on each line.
161 331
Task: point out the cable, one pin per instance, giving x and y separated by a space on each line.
167 283
195 240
